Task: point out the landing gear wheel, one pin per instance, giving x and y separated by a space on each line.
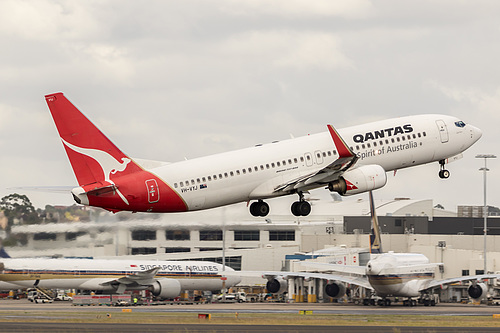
301 208
444 174
259 208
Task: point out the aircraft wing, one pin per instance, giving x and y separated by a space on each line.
358 281
143 278
345 269
439 283
331 172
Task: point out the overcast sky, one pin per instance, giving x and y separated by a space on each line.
172 79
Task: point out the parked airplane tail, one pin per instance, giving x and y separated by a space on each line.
107 177
3 253
375 241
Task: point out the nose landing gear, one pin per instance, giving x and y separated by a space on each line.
443 173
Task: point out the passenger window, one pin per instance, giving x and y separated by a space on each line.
363 146
302 159
272 165
267 166
256 169
289 161
329 153
295 160
414 136
231 173
403 138
192 181
244 171
249 170
368 145
424 134
209 178
262 167
278 164
203 179
225 174
419 135
334 152
215 177
198 180
237 172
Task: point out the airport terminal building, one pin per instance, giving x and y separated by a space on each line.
280 241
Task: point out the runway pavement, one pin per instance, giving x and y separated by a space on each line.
447 309
24 316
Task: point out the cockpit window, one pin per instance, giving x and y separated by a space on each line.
459 123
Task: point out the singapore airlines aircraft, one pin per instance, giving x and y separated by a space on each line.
165 279
349 161
405 275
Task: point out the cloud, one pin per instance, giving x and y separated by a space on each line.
299 8
289 49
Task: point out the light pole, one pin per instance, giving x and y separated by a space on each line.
485 208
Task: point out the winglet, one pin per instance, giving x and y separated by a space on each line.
342 147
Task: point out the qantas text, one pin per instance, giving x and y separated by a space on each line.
360 138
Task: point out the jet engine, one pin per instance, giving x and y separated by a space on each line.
335 289
359 180
166 288
477 290
277 285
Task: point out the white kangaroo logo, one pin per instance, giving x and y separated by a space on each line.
108 163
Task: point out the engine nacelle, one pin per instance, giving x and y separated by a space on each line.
359 180
277 285
166 288
477 291
335 289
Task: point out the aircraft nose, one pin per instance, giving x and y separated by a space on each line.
476 133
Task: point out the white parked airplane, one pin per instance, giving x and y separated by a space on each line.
405 275
165 279
350 161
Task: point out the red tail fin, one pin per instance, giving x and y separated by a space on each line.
107 177
92 155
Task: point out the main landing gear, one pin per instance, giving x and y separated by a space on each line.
259 208
443 173
301 207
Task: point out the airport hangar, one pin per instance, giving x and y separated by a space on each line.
336 231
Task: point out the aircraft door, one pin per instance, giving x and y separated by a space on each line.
308 158
443 131
319 157
153 191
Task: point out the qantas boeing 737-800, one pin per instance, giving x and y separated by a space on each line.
349 161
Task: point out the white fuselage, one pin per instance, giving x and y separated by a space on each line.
92 274
255 173
399 274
